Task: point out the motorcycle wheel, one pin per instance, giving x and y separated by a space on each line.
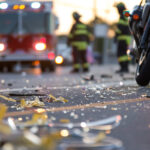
143 69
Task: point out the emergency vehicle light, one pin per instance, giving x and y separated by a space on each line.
3 6
39 46
59 60
2 47
51 55
22 7
15 7
35 5
136 17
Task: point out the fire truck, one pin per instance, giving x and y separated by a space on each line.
27 34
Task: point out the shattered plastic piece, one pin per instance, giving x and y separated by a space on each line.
35 103
90 140
58 99
144 95
27 94
52 98
61 99
106 76
64 120
5 129
37 118
10 84
97 125
113 108
3 110
32 138
6 98
91 77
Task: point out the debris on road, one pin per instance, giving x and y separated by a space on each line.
64 120
26 94
106 76
3 110
35 103
58 99
7 98
89 78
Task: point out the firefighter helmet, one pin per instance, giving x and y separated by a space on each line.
121 7
76 15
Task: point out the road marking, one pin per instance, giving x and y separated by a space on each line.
20 89
77 107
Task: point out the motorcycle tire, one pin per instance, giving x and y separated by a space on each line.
143 71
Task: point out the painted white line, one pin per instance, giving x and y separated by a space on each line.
20 89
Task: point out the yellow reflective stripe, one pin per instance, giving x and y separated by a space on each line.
118 31
81 45
76 66
123 22
127 38
85 65
81 26
81 32
70 36
124 58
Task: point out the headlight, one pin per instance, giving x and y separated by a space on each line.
35 5
2 47
59 60
3 6
39 46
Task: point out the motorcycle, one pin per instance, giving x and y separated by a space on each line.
139 24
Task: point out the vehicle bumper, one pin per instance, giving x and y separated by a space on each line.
24 57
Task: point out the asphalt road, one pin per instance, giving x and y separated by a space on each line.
90 98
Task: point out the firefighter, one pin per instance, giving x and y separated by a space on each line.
79 39
123 39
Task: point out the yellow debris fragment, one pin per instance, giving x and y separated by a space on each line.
58 99
64 120
3 110
37 118
52 97
5 129
35 103
7 98
50 141
101 136
61 99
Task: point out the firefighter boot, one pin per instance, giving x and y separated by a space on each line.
123 68
74 70
85 67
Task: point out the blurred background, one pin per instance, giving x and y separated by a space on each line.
101 16
30 27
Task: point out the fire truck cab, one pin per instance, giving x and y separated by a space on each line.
27 34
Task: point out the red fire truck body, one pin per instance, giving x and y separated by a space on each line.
27 34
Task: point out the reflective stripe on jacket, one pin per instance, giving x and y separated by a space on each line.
124 58
79 36
126 38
